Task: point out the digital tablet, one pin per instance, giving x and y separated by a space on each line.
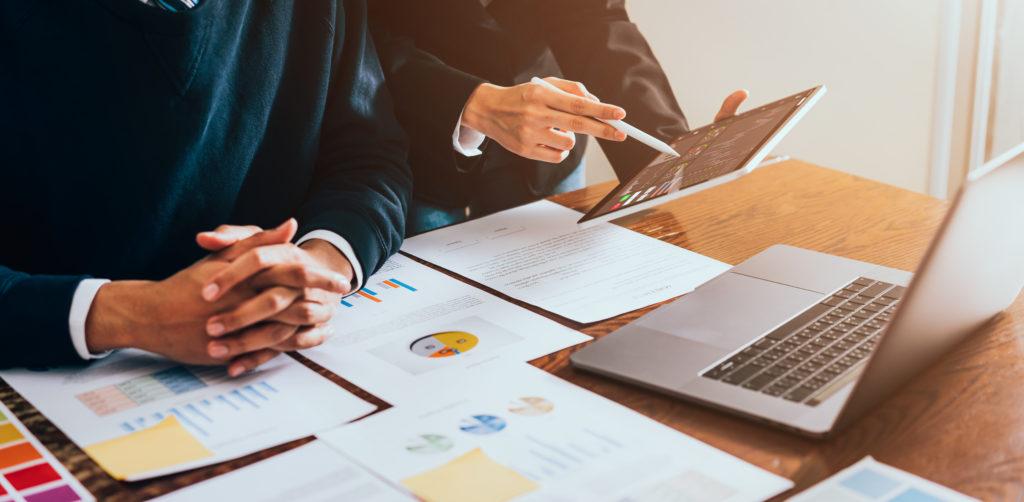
711 155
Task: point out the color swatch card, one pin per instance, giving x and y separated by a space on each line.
413 329
872 481
519 433
28 471
538 254
313 472
139 415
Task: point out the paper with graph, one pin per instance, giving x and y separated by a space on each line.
412 329
140 415
516 432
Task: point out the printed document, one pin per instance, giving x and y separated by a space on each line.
872 481
538 254
519 433
140 415
313 472
413 329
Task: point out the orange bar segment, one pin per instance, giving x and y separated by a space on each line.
18 454
366 295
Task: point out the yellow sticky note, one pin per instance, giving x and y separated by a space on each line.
473 477
164 445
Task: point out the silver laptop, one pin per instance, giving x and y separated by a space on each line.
810 341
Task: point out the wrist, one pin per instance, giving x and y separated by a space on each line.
477 110
115 316
331 257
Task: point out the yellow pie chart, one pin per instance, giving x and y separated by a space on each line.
444 344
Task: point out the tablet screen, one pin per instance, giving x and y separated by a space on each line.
706 153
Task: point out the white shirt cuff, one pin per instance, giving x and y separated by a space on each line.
467 140
343 247
85 293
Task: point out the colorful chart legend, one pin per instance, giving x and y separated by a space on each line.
375 295
28 472
148 388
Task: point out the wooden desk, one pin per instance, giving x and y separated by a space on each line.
960 423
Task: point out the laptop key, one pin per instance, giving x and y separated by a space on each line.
833 302
800 394
895 293
741 374
758 382
863 281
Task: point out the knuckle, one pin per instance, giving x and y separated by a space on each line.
222 228
530 92
275 302
307 311
261 257
300 275
576 123
578 106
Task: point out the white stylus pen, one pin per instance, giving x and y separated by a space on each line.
629 130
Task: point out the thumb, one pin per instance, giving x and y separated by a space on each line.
281 234
731 104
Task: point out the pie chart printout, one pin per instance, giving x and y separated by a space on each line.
531 406
482 424
429 443
444 344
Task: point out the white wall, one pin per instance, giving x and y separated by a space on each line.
878 58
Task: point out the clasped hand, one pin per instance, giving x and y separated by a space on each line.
255 296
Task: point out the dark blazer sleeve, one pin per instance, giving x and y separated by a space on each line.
34 313
362 183
429 94
595 43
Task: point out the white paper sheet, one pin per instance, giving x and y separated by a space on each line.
23 472
413 329
872 481
537 253
561 441
133 391
313 472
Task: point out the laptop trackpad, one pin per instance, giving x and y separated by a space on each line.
730 310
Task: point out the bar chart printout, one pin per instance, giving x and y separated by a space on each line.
377 292
139 415
28 471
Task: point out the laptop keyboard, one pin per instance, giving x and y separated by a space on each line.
825 343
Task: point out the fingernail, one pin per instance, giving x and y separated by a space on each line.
218 350
620 113
286 222
215 328
236 370
210 291
619 135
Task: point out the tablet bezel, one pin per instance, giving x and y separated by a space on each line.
756 156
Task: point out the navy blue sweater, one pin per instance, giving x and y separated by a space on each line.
124 130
